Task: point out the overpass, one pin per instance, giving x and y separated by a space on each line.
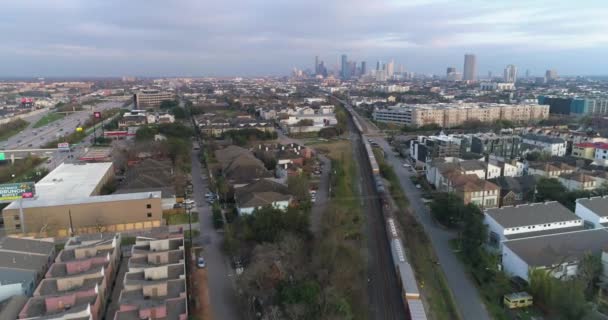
16 154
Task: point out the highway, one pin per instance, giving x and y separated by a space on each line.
384 294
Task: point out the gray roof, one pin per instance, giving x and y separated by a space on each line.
559 248
11 276
27 245
545 139
531 214
22 261
599 205
10 308
522 235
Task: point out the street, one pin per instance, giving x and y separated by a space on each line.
464 291
221 275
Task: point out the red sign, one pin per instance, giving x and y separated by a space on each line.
97 115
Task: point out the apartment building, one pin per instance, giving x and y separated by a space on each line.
78 284
552 145
529 220
594 211
503 146
151 98
155 285
425 148
450 115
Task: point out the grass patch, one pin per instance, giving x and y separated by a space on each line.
195 234
49 118
127 241
431 279
179 218
11 128
339 249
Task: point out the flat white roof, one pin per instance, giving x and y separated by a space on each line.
68 183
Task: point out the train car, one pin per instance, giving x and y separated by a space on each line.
357 123
372 158
416 309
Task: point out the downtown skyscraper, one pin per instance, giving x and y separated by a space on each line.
470 67
344 73
510 74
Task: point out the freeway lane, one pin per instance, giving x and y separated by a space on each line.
464 291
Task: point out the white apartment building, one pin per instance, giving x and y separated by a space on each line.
594 211
554 146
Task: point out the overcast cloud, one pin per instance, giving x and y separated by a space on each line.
270 37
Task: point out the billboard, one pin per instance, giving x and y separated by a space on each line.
2 156
63 146
97 115
10 192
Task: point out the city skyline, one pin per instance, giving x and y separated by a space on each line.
237 38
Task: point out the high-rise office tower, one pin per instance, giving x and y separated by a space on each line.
363 68
390 68
490 75
378 65
551 75
527 73
316 65
344 67
450 70
352 69
510 74
470 67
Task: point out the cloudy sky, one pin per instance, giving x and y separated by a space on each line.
270 37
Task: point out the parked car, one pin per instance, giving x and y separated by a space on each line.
200 262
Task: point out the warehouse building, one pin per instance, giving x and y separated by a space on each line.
69 201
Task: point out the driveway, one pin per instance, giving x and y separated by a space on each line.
464 291
222 289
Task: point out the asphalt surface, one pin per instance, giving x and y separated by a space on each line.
221 275
384 294
464 291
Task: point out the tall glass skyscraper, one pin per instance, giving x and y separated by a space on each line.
344 67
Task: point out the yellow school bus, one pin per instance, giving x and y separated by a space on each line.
517 300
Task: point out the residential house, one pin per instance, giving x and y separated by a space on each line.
594 211
474 190
549 169
260 194
240 167
552 145
558 253
438 169
529 220
577 181
585 150
512 168
516 190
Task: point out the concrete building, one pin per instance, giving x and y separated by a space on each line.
549 170
449 115
155 285
529 220
554 146
502 146
558 253
23 263
578 181
68 201
78 284
423 149
496 86
151 98
470 67
510 74
594 211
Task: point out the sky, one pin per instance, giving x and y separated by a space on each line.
271 37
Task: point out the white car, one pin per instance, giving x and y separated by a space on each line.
418 186
405 165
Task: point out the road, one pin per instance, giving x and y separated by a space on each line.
221 275
464 291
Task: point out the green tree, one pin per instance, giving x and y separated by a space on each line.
168 104
548 189
298 186
145 133
447 208
266 224
178 112
474 235
589 271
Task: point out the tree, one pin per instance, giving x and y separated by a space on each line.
474 235
549 189
305 123
178 113
447 208
168 104
589 271
298 187
145 133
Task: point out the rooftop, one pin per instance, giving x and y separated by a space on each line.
22 261
599 205
96 199
531 214
23 245
542 138
550 250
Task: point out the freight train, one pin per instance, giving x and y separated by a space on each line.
405 274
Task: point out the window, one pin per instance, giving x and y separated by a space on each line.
149 206
18 226
16 218
149 214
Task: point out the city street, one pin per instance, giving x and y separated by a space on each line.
464 291
221 275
